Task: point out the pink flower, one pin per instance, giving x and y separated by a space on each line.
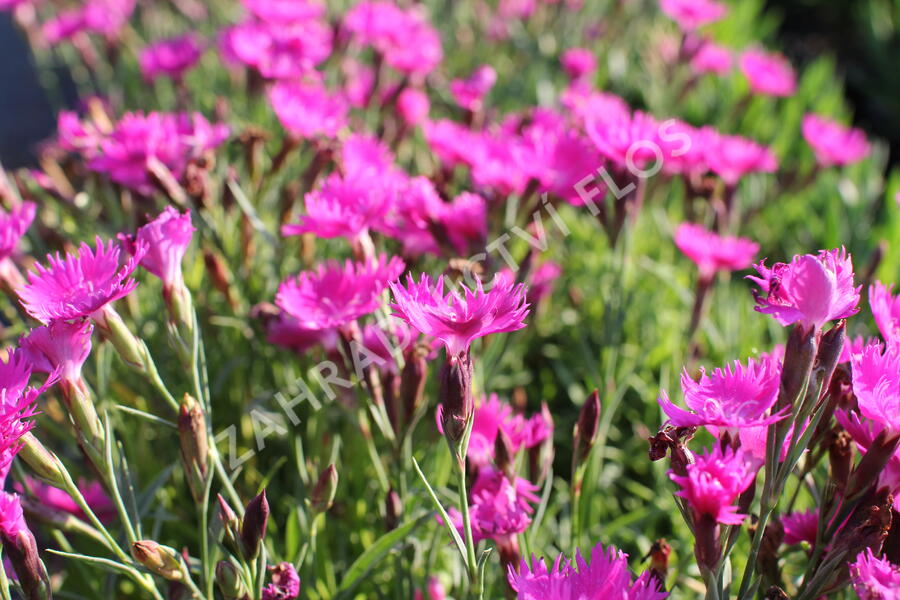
811 289
464 219
875 578
435 590
876 383
801 527
333 296
59 500
285 11
606 575
714 482
450 141
853 346
79 285
498 508
286 331
78 136
307 109
413 106
864 431
278 51
285 583
166 239
886 310
457 319
731 157
493 416
833 143
495 162
105 17
59 347
578 63
733 398
540 283
12 519
404 37
13 225
712 252
625 139
172 57
17 406
692 14
711 58
470 92
768 74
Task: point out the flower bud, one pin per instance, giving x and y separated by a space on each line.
393 508
503 455
323 494
830 348
587 427
540 457
194 444
872 464
22 552
799 353
253 526
412 383
42 461
219 274
127 345
840 454
231 525
162 560
230 581
457 405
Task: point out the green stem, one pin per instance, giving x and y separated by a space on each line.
4 582
471 561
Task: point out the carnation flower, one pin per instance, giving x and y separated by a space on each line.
493 416
166 239
17 406
12 519
692 14
285 583
450 141
464 220
875 578
733 398
626 140
886 310
833 143
333 296
732 156
286 331
470 92
171 58
876 383
285 11
712 252
605 575
768 74
106 17
801 527
60 347
811 289
714 482
498 508
278 50
711 58
413 106
79 285
456 319
578 63
404 37
496 162
435 591
307 109
13 225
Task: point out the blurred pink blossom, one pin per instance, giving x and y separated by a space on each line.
768 74
833 143
712 252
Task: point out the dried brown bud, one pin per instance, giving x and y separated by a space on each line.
659 562
840 454
503 455
194 444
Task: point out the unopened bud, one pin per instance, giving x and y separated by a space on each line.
129 348
230 581
503 455
326 487
830 348
231 525
393 508
799 354
42 461
412 383
872 464
22 551
220 274
587 427
457 406
194 444
161 560
253 526
840 454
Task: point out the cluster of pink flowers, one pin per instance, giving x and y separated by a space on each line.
493 417
104 17
170 58
714 482
713 253
833 143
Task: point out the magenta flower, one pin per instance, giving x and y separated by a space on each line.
17 406
451 142
106 17
711 58
413 106
876 384
886 310
833 143
768 74
285 583
79 136
469 93
286 331
499 509
457 319
278 50
493 416
496 162
864 431
165 239
693 14
59 347
464 219
606 575
875 578
626 140
404 38
435 591
58 500
365 155
307 109
13 225
578 63
811 289
12 519
801 527
171 58
333 296
541 281
285 11
714 482
733 398
732 156
79 285
712 252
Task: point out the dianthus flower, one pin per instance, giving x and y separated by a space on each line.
57 499
450 141
811 289
499 509
800 527
166 240
171 58
434 589
286 331
731 398
456 319
732 156
405 39
61 347
875 578
711 58
626 140
493 416
13 225
285 583
692 14
335 295
12 519
285 11
17 406
712 252
768 74
79 285
578 63
876 384
278 50
413 106
833 143
886 310
714 482
106 17
469 93
605 575
307 109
